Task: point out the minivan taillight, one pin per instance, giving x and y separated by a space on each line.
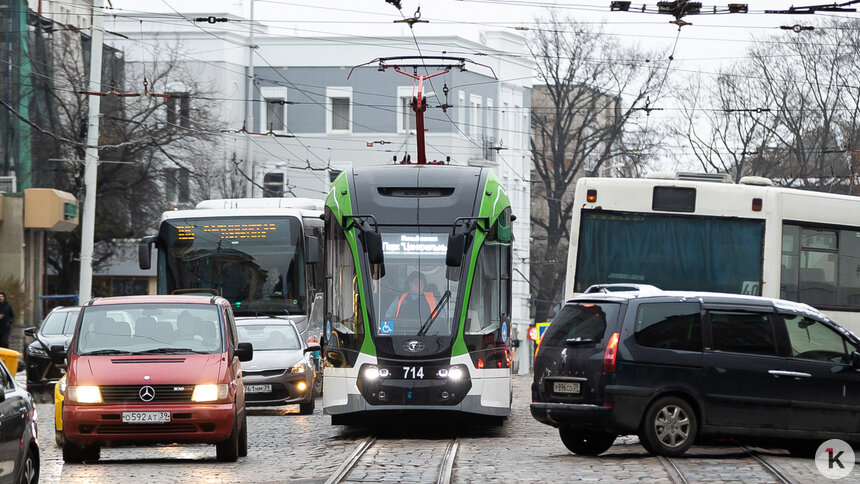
611 352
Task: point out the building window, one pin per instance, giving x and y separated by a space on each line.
461 110
475 116
178 109
339 113
273 115
273 185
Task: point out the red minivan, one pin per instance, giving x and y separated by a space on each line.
154 369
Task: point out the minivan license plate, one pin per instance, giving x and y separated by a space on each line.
565 387
145 417
258 388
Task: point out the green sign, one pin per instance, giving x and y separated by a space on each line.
70 210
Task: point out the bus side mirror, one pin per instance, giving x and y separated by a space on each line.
312 249
144 252
373 246
456 248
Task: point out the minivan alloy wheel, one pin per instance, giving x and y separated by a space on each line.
669 427
672 426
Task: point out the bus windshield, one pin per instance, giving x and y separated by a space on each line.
670 252
256 263
414 297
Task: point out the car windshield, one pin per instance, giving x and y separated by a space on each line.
150 328
256 263
59 323
414 296
265 337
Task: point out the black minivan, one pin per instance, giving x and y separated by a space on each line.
673 367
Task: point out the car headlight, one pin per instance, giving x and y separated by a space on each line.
209 393
37 351
298 368
84 394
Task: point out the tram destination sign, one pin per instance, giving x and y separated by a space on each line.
414 244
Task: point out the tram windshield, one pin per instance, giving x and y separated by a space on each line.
256 263
414 297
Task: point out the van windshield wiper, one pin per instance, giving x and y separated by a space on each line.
578 341
171 350
106 352
434 314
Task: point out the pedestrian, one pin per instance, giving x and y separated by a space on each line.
7 317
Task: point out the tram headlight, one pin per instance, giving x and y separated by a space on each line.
371 372
455 373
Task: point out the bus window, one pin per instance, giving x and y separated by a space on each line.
671 252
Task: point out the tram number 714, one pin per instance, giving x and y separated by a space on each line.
413 372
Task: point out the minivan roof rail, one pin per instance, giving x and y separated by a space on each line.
622 287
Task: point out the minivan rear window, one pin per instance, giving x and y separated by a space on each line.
585 321
673 326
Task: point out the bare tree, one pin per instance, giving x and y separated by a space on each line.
156 151
582 123
788 111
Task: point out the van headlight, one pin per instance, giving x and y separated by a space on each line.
209 393
61 386
83 394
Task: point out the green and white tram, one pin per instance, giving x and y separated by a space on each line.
417 291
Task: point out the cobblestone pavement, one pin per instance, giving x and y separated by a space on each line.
287 447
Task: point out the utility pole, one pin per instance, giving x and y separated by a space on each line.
91 160
249 101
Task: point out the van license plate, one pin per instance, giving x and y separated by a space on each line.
258 388
565 387
145 417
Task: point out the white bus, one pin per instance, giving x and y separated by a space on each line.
261 254
703 233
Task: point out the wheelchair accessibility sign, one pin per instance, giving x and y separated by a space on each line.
386 327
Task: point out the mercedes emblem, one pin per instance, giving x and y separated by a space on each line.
413 345
146 393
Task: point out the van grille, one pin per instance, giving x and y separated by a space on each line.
131 393
146 429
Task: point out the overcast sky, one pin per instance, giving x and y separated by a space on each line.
711 40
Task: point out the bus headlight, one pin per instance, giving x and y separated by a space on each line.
209 393
84 394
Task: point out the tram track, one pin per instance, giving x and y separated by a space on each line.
677 475
444 473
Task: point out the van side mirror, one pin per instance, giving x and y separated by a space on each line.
312 347
456 249
312 249
373 246
144 252
245 351
31 331
58 354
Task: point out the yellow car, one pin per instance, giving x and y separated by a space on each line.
59 393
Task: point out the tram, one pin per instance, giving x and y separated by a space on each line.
417 290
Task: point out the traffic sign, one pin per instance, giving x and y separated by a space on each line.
541 329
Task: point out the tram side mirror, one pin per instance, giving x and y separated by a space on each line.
312 249
144 252
456 248
373 247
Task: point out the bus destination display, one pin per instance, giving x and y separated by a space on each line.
230 231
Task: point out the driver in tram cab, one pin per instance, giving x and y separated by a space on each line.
415 303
